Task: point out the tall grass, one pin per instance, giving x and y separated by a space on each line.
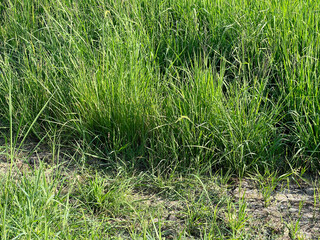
196 85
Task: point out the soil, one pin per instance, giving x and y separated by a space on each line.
289 206
287 210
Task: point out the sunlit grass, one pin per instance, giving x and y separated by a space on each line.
198 85
163 95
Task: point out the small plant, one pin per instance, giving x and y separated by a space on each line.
316 199
237 217
294 226
268 183
104 195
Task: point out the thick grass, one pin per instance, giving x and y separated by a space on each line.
197 85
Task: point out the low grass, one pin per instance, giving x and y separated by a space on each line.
68 199
156 90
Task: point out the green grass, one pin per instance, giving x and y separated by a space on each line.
159 90
198 85
76 201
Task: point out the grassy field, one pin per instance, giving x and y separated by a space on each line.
166 95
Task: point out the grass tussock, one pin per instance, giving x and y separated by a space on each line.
198 85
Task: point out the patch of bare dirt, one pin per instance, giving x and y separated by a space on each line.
290 210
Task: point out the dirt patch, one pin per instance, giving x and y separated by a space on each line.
290 210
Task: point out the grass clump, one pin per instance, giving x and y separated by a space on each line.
184 84
33 206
